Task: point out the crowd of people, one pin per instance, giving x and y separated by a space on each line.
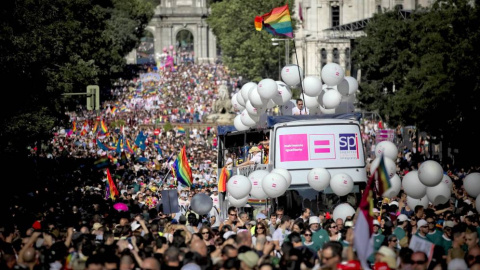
68 220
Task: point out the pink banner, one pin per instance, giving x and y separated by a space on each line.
293 147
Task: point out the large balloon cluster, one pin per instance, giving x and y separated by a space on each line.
253 99
260 185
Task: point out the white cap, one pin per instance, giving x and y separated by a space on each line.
376 222
313 220
135 225
402 217
226 235
421 223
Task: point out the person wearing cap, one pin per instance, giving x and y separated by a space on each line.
422 229
387 255
402 221
447 235
255 159
320 236
434 235
248 260
378 239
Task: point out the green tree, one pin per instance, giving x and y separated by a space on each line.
245 50
48 48
432 59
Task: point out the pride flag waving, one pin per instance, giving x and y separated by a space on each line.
277 22
182 169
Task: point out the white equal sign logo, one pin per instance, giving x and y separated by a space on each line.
321 146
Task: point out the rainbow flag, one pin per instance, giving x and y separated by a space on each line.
222 180
182 168
74 128
113 110
103 127
181 130
277 22
382 177
95 127
253 201
127 146
102 162
111 188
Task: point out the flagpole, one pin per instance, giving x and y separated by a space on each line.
300 76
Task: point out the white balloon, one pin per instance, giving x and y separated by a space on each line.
284 93
246 88
241 100
343 211
471 183
291 75
430 173
310 102
341 184
332 74
287 107
331 99
274 185
239 186
256 99
389 164
393 191
412 202
412 185
248 120
312 85
267 88
327 111
387 148
320 97
237 122
439 194
236 106
256 180
447 180
347 86
254 111
201 203
285 173
237 202
318 178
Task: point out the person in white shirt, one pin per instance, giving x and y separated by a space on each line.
281 232
255 159
299 109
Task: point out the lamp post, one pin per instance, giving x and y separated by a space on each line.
287 48
279 64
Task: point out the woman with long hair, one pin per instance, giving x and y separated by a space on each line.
208 236
260 229
332 230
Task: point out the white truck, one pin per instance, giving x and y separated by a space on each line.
298 144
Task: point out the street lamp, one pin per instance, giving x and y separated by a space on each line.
287 48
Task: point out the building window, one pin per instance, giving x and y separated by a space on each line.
379 9
399 7
323 60
348 61
335 16
336 56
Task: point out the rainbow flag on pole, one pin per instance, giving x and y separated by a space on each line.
222 180
181 130
182 169
111 189
277 22
382 177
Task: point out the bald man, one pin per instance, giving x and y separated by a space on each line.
199 246
151 263
127 262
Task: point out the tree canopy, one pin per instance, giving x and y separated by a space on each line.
424 70
51 47
245 50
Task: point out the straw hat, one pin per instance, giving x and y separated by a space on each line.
254 149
